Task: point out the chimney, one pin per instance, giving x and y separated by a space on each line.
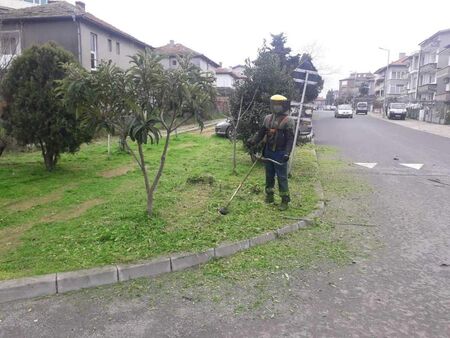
81 5
220 64
401 55
172 42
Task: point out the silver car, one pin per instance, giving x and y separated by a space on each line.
225 128
344 110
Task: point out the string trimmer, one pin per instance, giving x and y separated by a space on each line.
224 210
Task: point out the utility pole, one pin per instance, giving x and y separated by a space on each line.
385 78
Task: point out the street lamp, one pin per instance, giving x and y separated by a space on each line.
386 77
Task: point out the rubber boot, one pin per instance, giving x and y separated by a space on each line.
269 199
284 205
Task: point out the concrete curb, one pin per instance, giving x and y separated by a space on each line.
32 287
28 288
76 280
226 250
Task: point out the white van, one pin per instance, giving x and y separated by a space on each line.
396 110
362 108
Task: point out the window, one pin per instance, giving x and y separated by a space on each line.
94 51
110 45
118 48
9 43
174 62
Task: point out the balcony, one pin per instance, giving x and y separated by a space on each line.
443 72
445 97
427 88
428 68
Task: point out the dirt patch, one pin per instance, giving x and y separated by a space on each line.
10 236
117 171
35 201
208 131
74 212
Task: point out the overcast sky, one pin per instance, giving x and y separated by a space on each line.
343 36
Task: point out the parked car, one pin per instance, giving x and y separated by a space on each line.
362 108
225 128
396 110
344 110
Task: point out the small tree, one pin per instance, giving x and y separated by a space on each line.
34 114
363 89
101 98
170 98
329 100
271 73
8 49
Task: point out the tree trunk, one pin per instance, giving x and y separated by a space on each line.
147 184
234 151
159 173
122 141
109 144
50 159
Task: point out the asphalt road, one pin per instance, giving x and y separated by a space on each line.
402 288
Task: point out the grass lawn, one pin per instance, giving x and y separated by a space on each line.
91 210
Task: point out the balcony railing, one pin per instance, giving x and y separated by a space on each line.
443 72
429 67
427 88
445 97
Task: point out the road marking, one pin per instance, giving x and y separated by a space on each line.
416 166
367 165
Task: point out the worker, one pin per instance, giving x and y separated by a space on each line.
277 135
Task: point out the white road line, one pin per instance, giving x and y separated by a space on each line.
416 166
367 165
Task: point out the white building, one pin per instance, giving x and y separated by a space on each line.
226 78
172 51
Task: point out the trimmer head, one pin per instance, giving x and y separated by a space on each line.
224 211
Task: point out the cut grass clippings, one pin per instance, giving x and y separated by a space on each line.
197 180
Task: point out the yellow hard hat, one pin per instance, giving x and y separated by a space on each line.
277 97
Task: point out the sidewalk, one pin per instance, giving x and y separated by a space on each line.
436 129
194 127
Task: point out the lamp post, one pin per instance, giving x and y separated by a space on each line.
386 77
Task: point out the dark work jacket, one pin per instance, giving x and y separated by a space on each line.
278 134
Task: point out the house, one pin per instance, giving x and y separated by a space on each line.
172 51
429 57
6 5
442 96
349 88
393 78
443 76
239 70
89 38
413 76
226 78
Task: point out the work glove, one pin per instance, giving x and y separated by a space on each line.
285 158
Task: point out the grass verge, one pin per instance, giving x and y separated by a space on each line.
79 217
